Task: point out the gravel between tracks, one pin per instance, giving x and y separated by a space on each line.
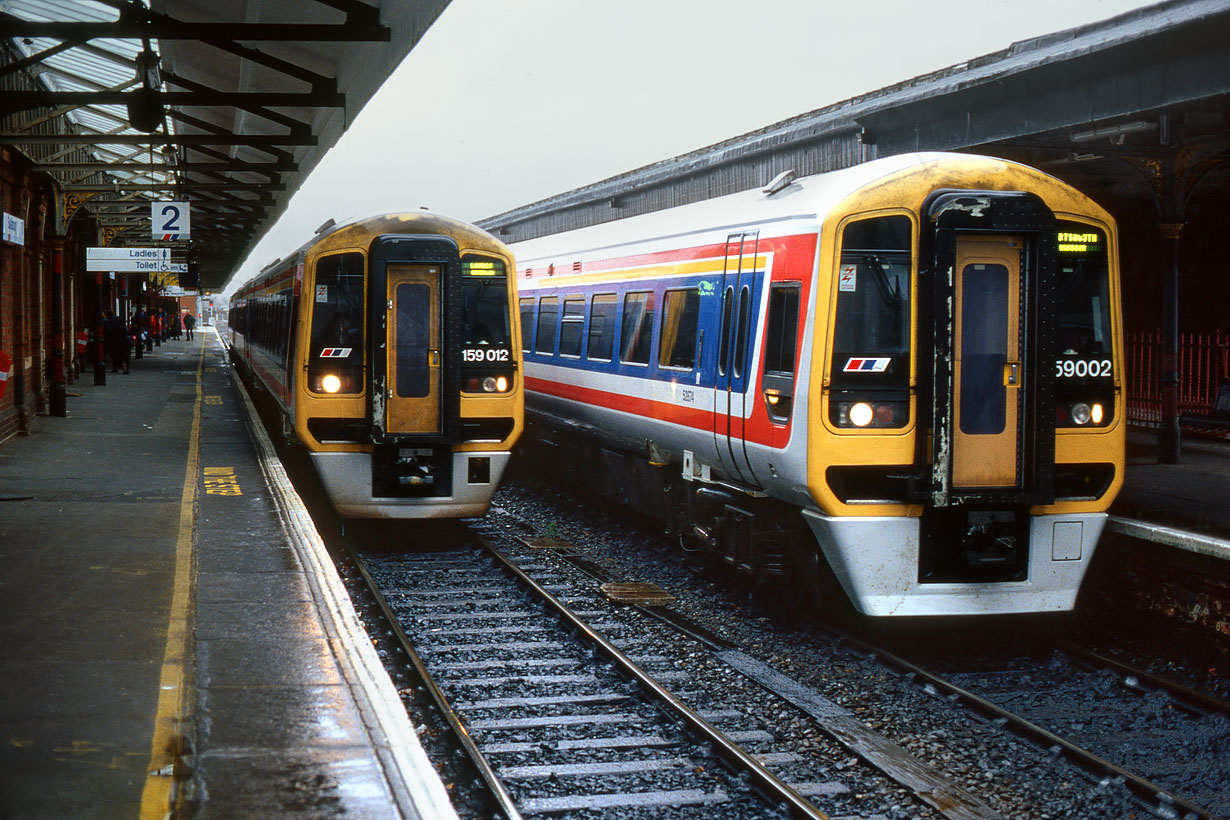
1017 778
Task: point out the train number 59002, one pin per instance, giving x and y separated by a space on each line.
1081 368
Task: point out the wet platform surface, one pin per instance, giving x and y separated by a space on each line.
1193 495
166 636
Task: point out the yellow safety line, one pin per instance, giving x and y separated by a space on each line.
166 745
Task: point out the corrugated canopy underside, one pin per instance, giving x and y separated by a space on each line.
247 97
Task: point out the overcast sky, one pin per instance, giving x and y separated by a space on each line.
505 102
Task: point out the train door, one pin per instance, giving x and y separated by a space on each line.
730 401
413 355
987 372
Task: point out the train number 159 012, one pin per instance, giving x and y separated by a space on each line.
1082 368
486 354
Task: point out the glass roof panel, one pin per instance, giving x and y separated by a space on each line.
100 64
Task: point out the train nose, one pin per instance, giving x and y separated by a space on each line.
990 540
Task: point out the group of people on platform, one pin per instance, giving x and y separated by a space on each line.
143 329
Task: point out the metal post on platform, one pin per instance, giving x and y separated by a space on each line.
1170 440
58 397
147 326
100 353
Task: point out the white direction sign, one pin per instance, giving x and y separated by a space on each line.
170 221
14 230
128 260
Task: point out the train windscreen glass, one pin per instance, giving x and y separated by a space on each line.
1084 292
484 303
871 337
335 355
486 340
1084 364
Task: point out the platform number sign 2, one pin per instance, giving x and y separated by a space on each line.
170 221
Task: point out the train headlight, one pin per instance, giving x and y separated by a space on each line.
487 384
1083 413
861 414
330 383
877 414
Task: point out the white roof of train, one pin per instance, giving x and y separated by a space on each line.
808 198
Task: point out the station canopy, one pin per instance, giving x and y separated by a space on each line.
225 104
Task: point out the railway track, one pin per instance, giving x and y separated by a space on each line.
556 716
1081 741
1155 736
1087 699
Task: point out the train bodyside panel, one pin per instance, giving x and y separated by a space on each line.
262 326
667 387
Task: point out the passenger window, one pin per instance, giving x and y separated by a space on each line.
527 323
783 326
571 325
680 320
601 327
548 312
780 346
636 332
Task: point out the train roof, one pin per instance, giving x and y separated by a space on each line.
806 200
426 222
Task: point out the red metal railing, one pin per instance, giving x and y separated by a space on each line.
1204 363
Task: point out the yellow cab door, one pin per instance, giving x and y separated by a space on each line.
413 364
988 371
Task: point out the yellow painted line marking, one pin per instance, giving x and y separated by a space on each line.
211 400
169 719
221 481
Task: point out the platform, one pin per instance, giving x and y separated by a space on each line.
172 631
1185 505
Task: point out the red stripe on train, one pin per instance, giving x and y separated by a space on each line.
692 417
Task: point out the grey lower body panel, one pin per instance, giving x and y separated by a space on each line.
876 560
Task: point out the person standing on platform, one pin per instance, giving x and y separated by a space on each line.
189 324
116 341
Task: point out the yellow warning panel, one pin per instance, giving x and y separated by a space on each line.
221 481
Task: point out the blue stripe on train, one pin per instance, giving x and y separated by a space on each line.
708 327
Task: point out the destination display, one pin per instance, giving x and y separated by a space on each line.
1070 242
482 267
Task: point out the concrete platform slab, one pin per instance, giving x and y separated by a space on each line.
155 599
